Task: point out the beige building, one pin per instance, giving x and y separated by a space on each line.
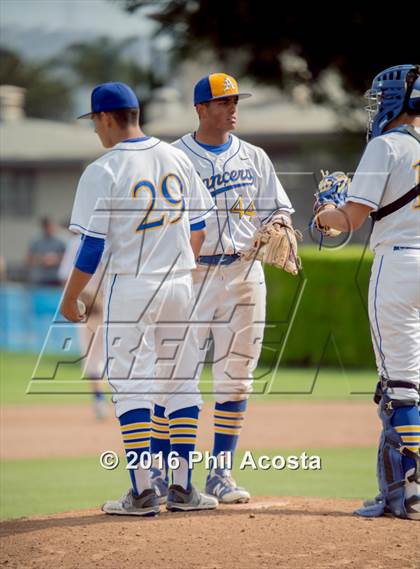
40 164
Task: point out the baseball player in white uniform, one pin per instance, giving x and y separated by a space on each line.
230 291
144 204
386 185
90 335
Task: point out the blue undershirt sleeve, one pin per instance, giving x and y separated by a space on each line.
89 254
197 226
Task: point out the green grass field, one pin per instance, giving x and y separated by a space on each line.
288 383
45 486
29 487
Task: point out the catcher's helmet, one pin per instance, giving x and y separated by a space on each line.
394 91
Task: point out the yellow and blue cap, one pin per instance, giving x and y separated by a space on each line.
217 86
111 97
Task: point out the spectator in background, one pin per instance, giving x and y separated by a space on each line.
44 256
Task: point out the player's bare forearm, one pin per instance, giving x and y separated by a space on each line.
197 240
76 282
348 217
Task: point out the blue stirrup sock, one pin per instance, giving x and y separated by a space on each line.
135 430
160 442
183 425
406 421
228 420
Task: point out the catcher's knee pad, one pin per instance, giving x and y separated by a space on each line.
399 486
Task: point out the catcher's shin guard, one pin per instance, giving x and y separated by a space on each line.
399 486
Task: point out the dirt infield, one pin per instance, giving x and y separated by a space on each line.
291 533
44 431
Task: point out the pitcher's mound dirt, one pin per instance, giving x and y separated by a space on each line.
291 533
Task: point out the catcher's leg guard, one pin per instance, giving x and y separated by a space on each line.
398 465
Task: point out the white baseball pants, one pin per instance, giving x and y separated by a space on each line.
394 314
150 346
231 305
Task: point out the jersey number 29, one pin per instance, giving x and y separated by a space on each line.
165 191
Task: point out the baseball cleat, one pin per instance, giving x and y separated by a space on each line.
224 488
412 495
379 499
130 505
412 507
181 500
159 485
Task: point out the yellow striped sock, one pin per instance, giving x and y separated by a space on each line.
228 422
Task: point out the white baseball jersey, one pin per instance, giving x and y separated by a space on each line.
142 196
245 189
389 168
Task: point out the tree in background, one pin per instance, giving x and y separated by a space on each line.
50 84
47 96
253 36
104 59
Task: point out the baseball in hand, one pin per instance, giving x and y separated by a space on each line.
332 232
328 231
81 306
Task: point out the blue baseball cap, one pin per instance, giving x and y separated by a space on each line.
217 86
111 97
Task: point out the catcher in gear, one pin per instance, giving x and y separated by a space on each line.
386 186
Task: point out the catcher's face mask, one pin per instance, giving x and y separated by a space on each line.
394 91
373 98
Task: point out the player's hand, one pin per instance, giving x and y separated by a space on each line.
73 309
328 231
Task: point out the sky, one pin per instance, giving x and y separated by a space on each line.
94 16
41 29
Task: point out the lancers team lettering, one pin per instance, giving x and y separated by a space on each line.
218 181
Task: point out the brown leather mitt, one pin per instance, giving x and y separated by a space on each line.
275 243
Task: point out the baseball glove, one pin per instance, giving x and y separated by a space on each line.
332 193
275 243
